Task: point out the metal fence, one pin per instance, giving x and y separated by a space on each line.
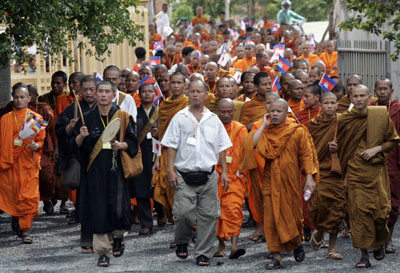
369 59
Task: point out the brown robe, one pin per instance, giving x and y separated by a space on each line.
368 183
326 209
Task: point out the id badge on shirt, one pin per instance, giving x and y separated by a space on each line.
149 135
228 159
107 146
191 141
17 142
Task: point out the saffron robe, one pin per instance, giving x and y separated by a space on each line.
245 63
368 183
312 58
232 200
19 170
284 148
163 193
330 61
252 110
304 116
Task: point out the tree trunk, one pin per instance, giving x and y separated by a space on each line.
5 85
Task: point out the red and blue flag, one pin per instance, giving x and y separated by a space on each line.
154 60
276 86
158 46
326 83
283 64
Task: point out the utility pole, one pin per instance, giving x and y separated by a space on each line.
227 4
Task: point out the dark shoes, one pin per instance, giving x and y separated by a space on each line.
118 247
182 251
299 254
48 207
104 261
202 261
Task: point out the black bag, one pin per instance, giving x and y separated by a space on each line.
72 174
195 179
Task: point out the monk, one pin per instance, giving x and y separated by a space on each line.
315 75
311 95
132 81
296 102
365 136
58 83
248 91
285 147
231 200
199 18
74 84
302 76
20 165
329 57
163 194
224 87
384 90
344 103
284 82
172 56
210 72
326 209
253 110
194 65
249 59
262 61
47 176
305 49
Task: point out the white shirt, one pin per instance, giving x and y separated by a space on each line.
163 24
128 105
198 144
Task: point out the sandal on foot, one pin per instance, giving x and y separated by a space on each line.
237 253
219 254
314 244
299 254
202 261
182 251
104 261
172 245
363 263
270 255
26 239
334 256
389 249
255 238
118 247
144 231
274 264
379 254
87 250
345 234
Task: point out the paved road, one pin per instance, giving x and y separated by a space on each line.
56 249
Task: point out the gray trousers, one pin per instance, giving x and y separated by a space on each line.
197 203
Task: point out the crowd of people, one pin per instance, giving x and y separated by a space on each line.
304 158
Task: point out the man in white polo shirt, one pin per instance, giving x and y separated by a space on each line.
196 141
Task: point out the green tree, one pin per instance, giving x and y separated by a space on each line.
374 17
52 23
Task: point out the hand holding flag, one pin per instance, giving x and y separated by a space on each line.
326 83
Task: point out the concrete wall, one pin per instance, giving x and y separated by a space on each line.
340 14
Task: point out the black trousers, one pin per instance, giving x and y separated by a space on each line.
145 214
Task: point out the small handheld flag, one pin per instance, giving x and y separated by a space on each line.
155 60
278 51
159 95
283 64
275 29
312 44
156 147
98 77
275 85
158 46
326 83
146 79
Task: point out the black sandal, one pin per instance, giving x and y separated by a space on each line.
379 254
182 251
118 247
26 239
274 264
363 263
104 261
299 254
202 261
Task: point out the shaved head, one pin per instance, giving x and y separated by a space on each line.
226 110
269 95
225 102
363 88
281 102
326 95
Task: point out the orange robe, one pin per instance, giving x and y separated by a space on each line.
312 58
245 63
243 97
194 70
199 20
330 61
212 87
307 114
285 148
136 67
232 200
163 194
19 170
63 101
271 72
136 97
188 43
296 106
252 110
176 59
